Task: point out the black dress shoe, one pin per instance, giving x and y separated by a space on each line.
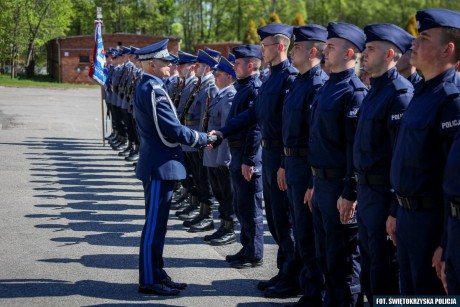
159 289
246 263
196 220
125 153
235 257
190 215
132 158
262 285
227 238
282 289
217 234
203 225
179 206
174 285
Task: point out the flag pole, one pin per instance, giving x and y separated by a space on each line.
102 116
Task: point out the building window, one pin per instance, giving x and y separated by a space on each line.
84 59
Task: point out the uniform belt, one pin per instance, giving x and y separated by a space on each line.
328 173
295 152
417 203
192 122
233 144
266 143
455 210
371 179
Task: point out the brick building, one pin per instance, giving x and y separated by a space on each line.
69 57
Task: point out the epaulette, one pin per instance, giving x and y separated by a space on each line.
292 71
400 85
317 80
357 84
450 89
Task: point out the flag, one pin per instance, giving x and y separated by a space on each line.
98 70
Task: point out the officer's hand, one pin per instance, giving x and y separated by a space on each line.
214 140
215 132
346 209
391 228
308 199
436 261
247 171
281 179
444 278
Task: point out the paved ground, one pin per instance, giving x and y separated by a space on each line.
71 213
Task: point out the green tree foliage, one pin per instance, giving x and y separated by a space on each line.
251 36
298 20
274 18
27 25
411 26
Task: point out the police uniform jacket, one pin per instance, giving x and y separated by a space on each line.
190 84
425 135
452 172
116 81
124 84
160 156
333 124
296 116
415 78
268 106
378 122
246 140
194 116
108 84
171 84
218 112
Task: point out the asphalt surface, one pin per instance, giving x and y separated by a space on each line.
71 214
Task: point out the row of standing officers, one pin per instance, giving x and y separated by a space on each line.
340 164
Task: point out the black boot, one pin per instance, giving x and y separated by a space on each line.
235 257
227 235
191 211
205 222
126 152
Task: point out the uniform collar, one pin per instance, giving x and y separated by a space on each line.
157 80
281 66
310 73
347 73
446 76
384 78
223 90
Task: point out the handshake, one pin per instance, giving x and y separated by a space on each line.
215 138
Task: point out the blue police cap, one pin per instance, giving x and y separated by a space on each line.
436 18
231 58
174 59
185 58
214 53
273 29
225 66
155 51
310 33
133 49
247 51
347 31
125 50
205 58
390 33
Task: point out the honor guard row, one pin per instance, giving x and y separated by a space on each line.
359 182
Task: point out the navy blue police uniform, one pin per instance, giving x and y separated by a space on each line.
452 189
332 131
245 149
267 113
426 132
296 119
160 165
378 124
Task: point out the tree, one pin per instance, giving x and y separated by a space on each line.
298 20
251 36
262 22
411 26
274 18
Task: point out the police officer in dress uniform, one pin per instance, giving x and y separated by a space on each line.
451 268
426 132
187 82
246 162
377 128
193 114
160 164
295 172
110 55
332 131
267 113
217 160
407 70
172 82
